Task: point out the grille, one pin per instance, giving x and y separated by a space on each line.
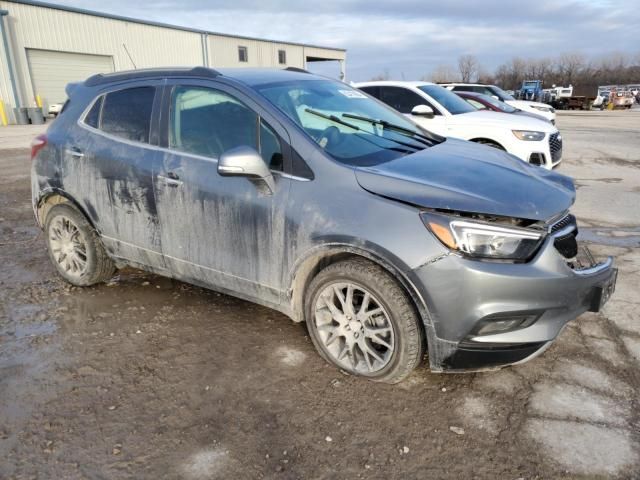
555 145
567 244
563 222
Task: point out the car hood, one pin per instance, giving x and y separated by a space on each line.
502 120
527 103
463 176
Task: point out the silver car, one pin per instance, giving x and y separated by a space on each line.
308 196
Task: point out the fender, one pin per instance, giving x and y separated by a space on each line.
308 264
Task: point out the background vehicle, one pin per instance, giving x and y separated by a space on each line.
441 111
531 90
527 106
486 102
344 217
571 98
55 109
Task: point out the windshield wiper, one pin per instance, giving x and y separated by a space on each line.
333 118
392 126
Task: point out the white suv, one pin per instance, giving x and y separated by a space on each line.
547 111
443 112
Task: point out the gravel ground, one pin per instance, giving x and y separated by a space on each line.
146 377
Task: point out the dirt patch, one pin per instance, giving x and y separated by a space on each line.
146 377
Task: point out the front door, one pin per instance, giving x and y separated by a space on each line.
224 232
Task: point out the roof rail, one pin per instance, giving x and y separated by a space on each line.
102 78
296 69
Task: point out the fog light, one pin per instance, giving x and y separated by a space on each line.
501 323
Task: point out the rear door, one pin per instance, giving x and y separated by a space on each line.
109 163
225 232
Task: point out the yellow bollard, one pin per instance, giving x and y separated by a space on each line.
38 101
3 114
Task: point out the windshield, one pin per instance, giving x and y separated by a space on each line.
449 100
504 107
501 94
345 122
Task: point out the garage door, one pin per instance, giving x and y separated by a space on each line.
52 71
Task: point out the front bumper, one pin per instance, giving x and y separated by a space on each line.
546 153
464 294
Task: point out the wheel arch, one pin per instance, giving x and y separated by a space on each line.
48 198
322 256
485 140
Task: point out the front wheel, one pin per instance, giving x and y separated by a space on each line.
363 322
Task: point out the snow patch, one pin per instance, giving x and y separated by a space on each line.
204 464
592 378
290 356
569 402
477 412
583 448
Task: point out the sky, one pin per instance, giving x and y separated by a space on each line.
408 39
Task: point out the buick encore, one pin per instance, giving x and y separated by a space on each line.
305 195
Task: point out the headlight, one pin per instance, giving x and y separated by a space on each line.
483 240
529 135
543 109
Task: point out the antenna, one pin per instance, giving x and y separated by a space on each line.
129 55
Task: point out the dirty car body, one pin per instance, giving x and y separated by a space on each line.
429 212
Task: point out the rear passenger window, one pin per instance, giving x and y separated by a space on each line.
127 113
93 117
209 122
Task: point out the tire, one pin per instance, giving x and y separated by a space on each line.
392 338
75 248
489 143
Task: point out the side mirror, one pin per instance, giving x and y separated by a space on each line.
245 162
495 96
422 111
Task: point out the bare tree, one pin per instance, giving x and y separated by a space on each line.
442 74
468 67
382 76
570 66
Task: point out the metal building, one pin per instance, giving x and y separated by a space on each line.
45 46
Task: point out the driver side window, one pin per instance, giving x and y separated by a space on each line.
208 122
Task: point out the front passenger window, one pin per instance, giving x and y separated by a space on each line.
209 122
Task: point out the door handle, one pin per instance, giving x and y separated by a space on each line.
171 180
74 152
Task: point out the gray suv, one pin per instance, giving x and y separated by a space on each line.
310 197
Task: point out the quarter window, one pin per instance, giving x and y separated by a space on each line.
127 113
243 54
282 57
208 122
93 117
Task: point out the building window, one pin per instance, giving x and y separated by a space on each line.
243 55
282 57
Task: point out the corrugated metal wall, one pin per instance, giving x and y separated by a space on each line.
38 27
223 52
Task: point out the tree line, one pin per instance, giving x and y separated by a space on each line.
572 68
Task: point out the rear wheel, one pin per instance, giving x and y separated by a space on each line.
75 248
363 322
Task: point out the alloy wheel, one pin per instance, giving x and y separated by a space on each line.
354 328
68 246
